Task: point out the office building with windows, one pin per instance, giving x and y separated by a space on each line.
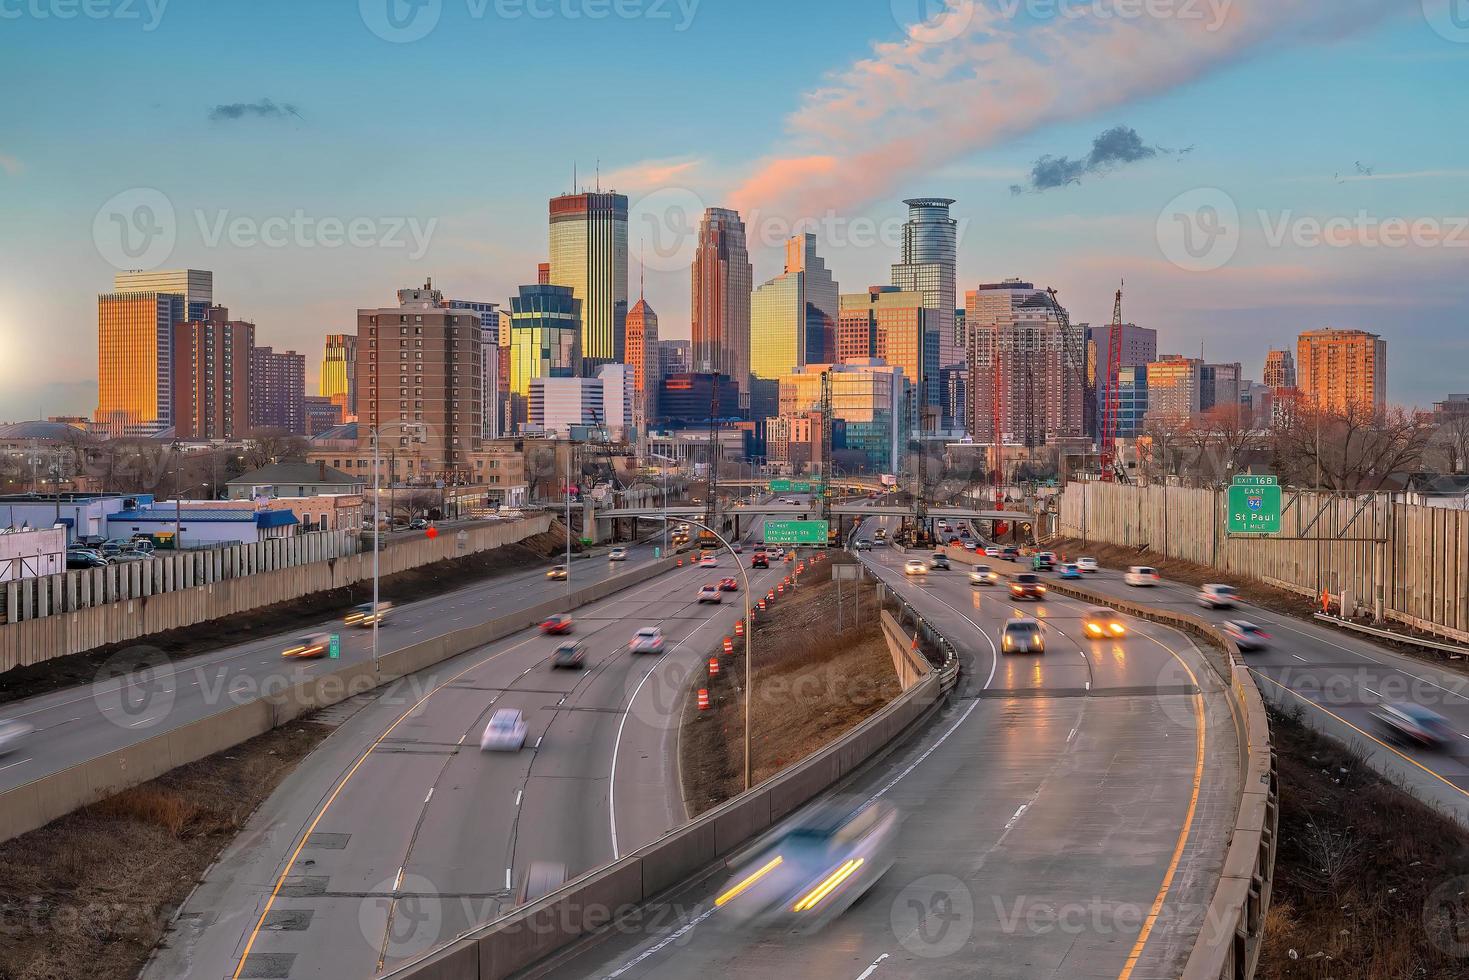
1174 389
135 339
928 267
867 395
212 376
338 381
719 301
896 327
589 255
278 390
196 286
793 321
545 341
642 362
1338 369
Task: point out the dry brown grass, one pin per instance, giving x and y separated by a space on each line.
91 894
1360 868
812 684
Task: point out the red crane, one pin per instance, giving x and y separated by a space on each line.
1110 395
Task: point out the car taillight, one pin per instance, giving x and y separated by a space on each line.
1263 635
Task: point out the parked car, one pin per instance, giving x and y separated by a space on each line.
1023 636
558 623
13 734
1027 585
557 573
915 566
364 615
572 653
505 732
938 561
310 647
1413 724
1088 565
617 554
418 524
125 557
1246 636
1217 596
983 575
649 639
144 546
710 593
729 585
1142 576
1100 623
85 559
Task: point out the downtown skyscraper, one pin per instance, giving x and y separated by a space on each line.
719 308
928 267
589 254
793 322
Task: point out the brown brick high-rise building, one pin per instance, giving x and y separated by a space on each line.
1340 368
212 376
278 390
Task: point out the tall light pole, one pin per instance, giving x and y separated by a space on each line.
421 434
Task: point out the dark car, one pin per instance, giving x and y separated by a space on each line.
1010 554
1027 585
1413 724
85 559
569 654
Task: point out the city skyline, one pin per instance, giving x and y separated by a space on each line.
478 236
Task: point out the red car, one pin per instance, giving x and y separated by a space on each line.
728 585
760 560
559 623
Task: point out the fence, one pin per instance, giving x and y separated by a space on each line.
58 615
1397 561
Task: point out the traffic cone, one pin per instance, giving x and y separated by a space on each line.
703 699
739 627
713 666
728 645
760 605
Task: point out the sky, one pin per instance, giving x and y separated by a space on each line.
1250 168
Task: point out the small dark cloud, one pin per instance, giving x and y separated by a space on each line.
264 109
1117 147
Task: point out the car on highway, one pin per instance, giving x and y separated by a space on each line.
572 653
309 647
13 734
760 560
1044 561
992 552
617 554
1023 635
505 732
983 575
1246 635
1101 623
1010 554
649 639
864 545
881 534
938 561
557 573
1142 576
1215 596
814 867
1088 565
1069 570
710 593
737 548
1027 585
1413 724
915 566
556 624
364 615
729 585
708 560
970 545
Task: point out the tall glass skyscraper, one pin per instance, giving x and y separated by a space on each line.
339 371
793 321
545 340
928 267
719 310
589 254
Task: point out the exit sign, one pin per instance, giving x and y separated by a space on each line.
795 532
1250 480
1254 509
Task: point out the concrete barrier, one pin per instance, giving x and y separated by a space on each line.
40 801
910 665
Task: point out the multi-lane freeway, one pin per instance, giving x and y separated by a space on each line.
1067 816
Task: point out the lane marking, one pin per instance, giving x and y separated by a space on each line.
1011 822
507 879
871 969
14 764
429 796
518 794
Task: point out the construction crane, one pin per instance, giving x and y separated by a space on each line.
1111 397
826 430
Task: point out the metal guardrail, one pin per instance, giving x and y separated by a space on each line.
1456 651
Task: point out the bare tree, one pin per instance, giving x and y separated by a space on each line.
266 446
1357 450
1217 441
1451 443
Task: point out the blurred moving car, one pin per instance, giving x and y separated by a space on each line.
914 566
983 575
1023 635
938 561
365 616
1010 554
815 867
572 653
759 560
1100 623
557 573
1246 636
1088 565
649 639
970 545
1044 561
505 732
13 734
991 552
543 878
728 585
710 593
1214 596
708 560
308 647
1413 724
1069 570
557 623
617 554
1142 575
1027 585
864 545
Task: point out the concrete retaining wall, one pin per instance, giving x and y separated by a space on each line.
37 803
911 665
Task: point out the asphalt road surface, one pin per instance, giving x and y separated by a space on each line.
1066 816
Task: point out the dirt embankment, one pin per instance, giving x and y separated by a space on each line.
1370 883
90 894
417 583
812 683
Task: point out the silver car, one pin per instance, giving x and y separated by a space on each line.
13 734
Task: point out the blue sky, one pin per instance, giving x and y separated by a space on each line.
785 108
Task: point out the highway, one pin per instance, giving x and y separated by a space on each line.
1067 816
1337 680
398 832
78 724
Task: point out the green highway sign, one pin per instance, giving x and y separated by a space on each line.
800 486
780 486
1250 480
795 532
334 648
1254 509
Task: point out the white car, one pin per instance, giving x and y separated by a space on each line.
710 593
13 734
1087 565
649 639
992 552
1214 596
1142 575
617 554
708 561
915 566
1246 636
505 732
